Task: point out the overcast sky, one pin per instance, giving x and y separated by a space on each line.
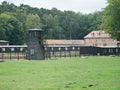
84 6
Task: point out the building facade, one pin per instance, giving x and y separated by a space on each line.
99 38
3 42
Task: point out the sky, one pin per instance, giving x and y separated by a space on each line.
83 6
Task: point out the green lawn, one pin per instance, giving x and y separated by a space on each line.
92 73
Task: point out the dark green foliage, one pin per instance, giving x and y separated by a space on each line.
6 7
55 23
112 18
11 29
52 27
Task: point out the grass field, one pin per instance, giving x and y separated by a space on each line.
92 73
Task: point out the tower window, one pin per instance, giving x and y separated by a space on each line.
32 51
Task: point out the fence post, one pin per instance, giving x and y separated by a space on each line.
18 53
10 54
70 53
3 50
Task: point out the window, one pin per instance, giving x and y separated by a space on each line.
73 48
52 48
92 34
21 49
59 48
95 44
3 49
96 40
116 50
114 40
32 51
12 49
66 48
87 40
104 34
98 34
104 44
103 40
45 49
109 40
35 34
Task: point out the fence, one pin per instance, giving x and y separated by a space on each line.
89 50
53 52
19 52
13 52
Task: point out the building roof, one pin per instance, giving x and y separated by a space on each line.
64 42
35 29
3 41
13 46
97 34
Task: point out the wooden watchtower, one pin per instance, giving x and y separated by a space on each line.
35 49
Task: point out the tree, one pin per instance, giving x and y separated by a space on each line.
11 29
55 23
33 21
6 7
69 22
52 27
112 18
95 20
84 26
21 16
2 33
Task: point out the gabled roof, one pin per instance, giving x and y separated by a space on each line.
97 34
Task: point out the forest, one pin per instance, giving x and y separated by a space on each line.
56 24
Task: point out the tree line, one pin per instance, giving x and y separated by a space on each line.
16 20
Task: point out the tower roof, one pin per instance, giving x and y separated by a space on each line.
35 29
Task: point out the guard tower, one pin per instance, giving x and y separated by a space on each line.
35 49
